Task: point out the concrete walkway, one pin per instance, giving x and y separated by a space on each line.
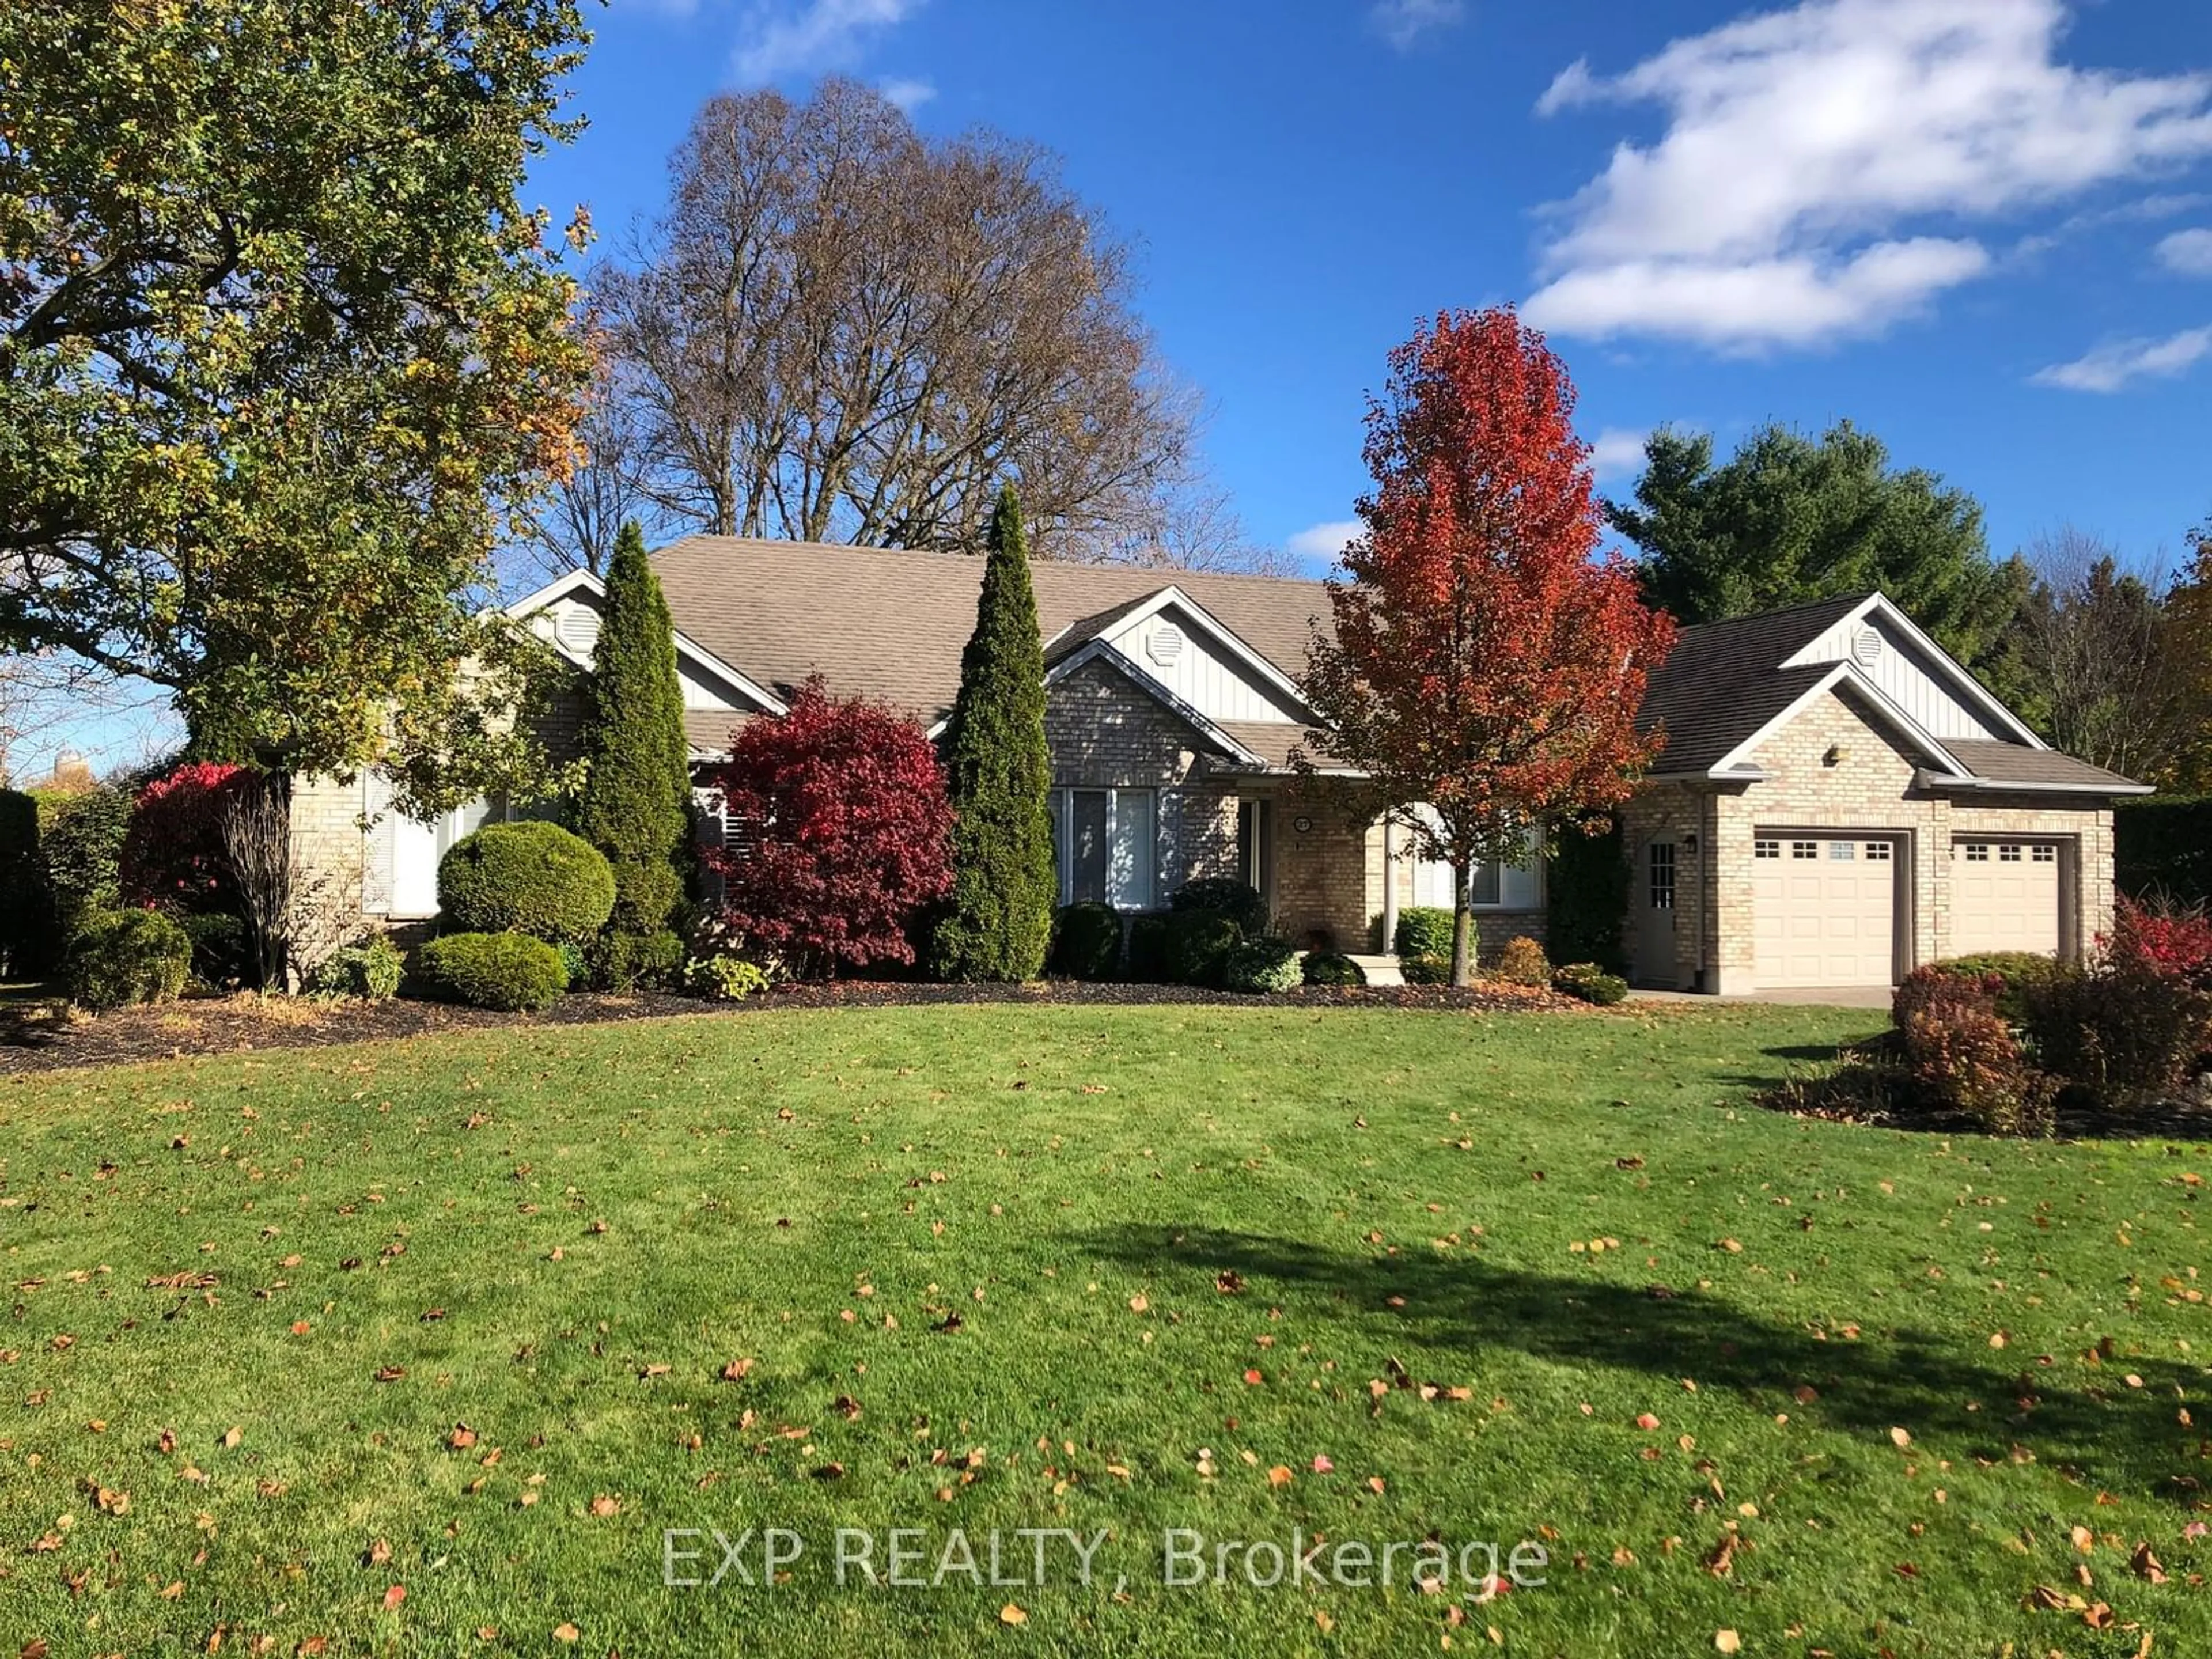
1841 996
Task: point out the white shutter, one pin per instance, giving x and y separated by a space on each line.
376 851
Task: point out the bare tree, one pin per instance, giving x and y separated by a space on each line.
255 823
48 697
841 330
575 524
2089 656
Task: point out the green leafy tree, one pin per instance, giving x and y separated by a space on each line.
1789 519
281 356
636 803
999 771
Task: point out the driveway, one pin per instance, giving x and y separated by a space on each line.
1841 996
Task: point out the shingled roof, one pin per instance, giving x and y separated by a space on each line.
1723 680
891 624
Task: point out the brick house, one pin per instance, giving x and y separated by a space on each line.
1838 798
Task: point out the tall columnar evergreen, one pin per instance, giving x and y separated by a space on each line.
636 807
999 771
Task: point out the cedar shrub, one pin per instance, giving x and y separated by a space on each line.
997 771
635 804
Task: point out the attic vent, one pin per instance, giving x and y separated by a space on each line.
578 628
1866 647
1165 644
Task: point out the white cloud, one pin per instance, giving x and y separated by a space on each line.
782 38
1618 452
1806 151
1403 23
2188 252
2113 365
1326 541
910 95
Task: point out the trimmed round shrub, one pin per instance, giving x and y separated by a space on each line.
1590 983
1237 899
623 962
1149 936
120 957
1086 941
1263 964
1423 930
1199 944
1332 968
529 877
1522 961
1425 970
508 971
371 970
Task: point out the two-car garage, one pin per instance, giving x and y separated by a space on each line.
1829 909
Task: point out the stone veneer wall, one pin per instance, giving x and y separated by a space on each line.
1870 789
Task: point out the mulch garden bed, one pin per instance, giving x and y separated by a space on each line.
45 1035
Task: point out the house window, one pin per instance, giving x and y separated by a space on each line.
1877 852
1978 852
1804 849
1106 843
1661 858
418 846
2009 853
1843 851
2046 853
1766 850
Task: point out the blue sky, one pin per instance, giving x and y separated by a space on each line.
1981 228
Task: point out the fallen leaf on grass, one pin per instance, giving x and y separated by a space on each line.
394 1596
566 1633
1010 1614
1727 1641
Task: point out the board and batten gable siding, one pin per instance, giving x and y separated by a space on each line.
1178 651
1904 673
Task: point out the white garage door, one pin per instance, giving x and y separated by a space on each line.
2004 896
1824 910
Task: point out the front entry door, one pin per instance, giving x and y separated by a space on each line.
1655 961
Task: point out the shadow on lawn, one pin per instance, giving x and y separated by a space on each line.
2084 1418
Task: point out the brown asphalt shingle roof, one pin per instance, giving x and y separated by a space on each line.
1722 682
2014 763
891 623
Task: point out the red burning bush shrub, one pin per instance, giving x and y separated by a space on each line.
173 855
839 833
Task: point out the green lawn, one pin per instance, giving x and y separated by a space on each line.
1081 1269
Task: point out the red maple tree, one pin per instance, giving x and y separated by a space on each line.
1488 659
839 832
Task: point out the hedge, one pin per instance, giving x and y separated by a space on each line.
508 971
2163 846
121 957
1260 965
1086 941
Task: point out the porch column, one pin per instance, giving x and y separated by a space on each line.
1389 884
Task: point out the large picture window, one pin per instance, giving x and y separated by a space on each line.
1106 844
1494 886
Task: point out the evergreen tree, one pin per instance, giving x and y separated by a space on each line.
997 770
636 807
